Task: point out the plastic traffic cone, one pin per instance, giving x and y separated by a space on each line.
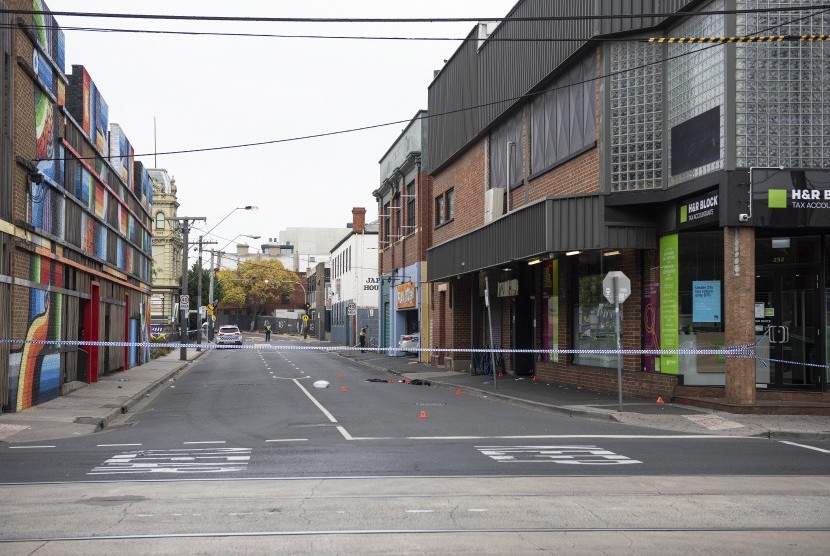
458 392
423 415
343 389
660 400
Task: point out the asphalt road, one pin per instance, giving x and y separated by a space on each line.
243 446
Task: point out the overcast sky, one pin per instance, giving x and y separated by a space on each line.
217 91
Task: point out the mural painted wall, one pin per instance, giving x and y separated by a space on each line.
35 369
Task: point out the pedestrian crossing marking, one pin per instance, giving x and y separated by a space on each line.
185 460
570 455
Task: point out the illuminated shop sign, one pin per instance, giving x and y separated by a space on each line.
699 211
791 198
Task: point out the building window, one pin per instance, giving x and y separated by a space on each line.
396 201
439 210
387 224
449 205
593 317
410 208
160 221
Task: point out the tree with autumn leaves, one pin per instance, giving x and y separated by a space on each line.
255 284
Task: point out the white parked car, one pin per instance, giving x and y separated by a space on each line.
409 342
229 334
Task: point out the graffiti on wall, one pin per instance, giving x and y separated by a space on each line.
35 369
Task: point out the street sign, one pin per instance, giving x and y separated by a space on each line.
623 286
351 309
184 300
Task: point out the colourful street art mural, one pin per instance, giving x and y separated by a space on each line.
35 369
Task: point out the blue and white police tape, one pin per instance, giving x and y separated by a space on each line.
739 351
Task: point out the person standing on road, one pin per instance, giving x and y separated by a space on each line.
267 331
363 339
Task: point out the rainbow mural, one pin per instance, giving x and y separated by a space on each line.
35 370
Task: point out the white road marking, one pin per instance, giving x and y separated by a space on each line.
420 511
288 440
115 445
185 460
567 436
822 450
571 455
27 447
476 510
206 442
314 400
325 411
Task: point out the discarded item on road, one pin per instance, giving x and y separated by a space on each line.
383 380
419 382
321 384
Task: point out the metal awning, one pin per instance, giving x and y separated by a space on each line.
552 225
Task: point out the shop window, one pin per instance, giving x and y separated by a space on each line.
593 317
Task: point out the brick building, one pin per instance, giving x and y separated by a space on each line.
75 234
699 171
405 229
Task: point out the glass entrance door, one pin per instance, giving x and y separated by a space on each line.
788 327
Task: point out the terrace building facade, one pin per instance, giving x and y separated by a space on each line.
75 225
699 171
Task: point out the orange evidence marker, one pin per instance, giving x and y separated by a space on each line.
339 375
343 389
458 392
660 400
423 415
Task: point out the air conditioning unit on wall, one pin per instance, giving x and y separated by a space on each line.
493 204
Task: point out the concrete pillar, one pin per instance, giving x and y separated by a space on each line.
739 305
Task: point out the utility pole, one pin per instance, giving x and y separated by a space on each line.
199 294
184 308
210 295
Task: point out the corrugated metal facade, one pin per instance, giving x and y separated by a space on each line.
507 70
574 223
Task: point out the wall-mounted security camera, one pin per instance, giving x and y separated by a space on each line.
743 217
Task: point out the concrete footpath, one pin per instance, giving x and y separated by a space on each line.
90 407
574 402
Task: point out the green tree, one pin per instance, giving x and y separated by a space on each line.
255 284
193 285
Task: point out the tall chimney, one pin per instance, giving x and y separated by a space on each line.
358 220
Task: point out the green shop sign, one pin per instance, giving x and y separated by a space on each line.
669 303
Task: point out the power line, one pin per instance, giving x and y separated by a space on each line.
170 17
446 113
324 37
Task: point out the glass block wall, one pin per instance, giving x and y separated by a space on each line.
696 81
783 89
636 138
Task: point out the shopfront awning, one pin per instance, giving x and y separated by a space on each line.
550 226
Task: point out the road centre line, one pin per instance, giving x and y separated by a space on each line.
325 411
313 399
207 442
25 447
288 440
115 445
822 450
